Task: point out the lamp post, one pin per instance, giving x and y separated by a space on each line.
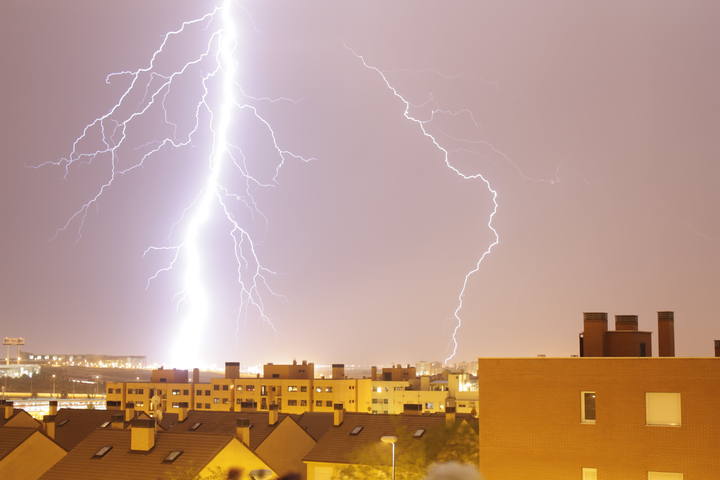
392 440
97 381
53 377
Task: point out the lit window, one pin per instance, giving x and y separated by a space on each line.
420 432
663 409
589 474
328 389
356 430
665 476
239 388
318 403
292 388
172 456
378 389
216 400
176 392
587 407
175 404
318 389
103 451
195 426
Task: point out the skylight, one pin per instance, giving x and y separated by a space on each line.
195 426
103 451
62 422
105 424
419 433
356 430
172 456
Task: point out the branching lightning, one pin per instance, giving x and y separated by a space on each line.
215 69
422 125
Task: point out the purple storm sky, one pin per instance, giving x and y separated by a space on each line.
617 102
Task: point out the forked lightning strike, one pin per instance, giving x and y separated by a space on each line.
215 68
422 124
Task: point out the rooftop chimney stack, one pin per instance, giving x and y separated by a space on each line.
373 373
449 416
717 348
196 375
232 370
52 407
242 430
595 326
117 421
183 411
338 414
49 425
666 334
626 322
338 371
129 411
142 434
273 414
8 409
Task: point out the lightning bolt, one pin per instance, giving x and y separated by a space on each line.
422 125
108 138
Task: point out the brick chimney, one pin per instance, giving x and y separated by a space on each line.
8 409
196 375
142 434
242 430
129 411
273 414
232 370
449 416
183 411
595 326
52 407
717 348
338 414
338 371
666 334
117 421
49 425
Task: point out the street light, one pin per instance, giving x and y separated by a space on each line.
53 377
392 440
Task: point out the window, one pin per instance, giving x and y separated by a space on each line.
303 403
140 403
429 406
263 390
318 403
102 452
225 400
250 388
172 456
176 392
207 392
198 405
216 400
239 388
328 403
420 432
195 426
328 389
175 404
207 405
292 388
292 403
589 473
129 391
216 387
225 387
105 424
375 400
303 389
663 409
186 392
587 407
198 393
665 476
356 430
62 422
318 389
275 375
139 391
385 401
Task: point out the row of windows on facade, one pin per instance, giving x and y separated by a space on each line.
290 403
592 474
661 408
248 388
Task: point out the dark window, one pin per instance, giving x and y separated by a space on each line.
385 400
139 391
303 389
275 375
207 392
589 406
207 405
198 405
172 456
303 403
216 387
103 451
225 387
318 403
292 403
328 403
198 392
186 392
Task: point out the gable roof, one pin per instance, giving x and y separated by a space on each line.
224 423
338 446
12 437
315 423
74 424
119 462
20 418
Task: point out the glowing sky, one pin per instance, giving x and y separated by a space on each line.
617 105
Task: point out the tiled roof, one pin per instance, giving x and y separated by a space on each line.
11 437
224 423
3 420
119 462
315 423
338 446
74 424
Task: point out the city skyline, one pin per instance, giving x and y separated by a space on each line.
601 149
